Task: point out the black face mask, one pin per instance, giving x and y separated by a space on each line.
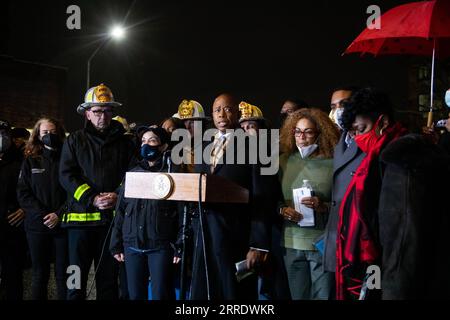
150 153
52 140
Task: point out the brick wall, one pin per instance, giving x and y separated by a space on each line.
29 91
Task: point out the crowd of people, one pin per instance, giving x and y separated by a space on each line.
377 197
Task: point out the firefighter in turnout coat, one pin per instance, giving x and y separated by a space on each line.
93 164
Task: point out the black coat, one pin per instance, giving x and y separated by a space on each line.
414 219
231 230
91 163
39 191
144 223
444 142
10 164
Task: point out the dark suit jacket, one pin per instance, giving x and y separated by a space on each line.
346 161
231 229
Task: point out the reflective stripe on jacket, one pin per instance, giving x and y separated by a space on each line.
91 163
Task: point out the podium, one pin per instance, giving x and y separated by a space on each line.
183 187
186 187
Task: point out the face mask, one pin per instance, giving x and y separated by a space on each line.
52 141
447 98
368 140
306 151
5 142
338 118
331 114
150 153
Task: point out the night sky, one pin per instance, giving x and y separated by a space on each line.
261 51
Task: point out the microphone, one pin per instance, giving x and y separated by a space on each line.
168 159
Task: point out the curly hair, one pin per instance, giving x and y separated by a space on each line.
328 133
369 102
34 145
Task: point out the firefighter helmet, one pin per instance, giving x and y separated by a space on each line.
250 112
100 95
191 110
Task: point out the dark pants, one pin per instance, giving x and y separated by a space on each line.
221 258
275 284
12 260
42 246
86 245
156 263
123 283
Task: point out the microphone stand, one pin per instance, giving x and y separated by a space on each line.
183 254
184 237
169 161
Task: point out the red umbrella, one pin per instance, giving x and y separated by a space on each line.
418 28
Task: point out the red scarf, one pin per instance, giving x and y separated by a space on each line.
356 244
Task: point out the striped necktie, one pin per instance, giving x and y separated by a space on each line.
217 151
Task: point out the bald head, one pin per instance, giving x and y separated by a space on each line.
225 112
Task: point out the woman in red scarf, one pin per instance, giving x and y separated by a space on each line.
370 116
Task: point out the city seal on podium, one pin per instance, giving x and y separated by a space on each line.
162 186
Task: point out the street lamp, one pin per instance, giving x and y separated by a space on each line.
117 32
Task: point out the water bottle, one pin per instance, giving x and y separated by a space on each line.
307 185
308 213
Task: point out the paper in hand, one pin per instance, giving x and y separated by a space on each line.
308 213
241 270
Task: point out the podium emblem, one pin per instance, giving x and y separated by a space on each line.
162 186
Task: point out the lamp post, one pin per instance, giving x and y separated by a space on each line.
116 33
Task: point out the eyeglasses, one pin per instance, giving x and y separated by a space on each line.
309 133
100 112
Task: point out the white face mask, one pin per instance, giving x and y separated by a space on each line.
331 114
306 151
338 117
447 98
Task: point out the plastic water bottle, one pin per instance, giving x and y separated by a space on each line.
306 184
308 213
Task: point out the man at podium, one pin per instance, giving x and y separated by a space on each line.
232 232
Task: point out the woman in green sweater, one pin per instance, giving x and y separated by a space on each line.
307 141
